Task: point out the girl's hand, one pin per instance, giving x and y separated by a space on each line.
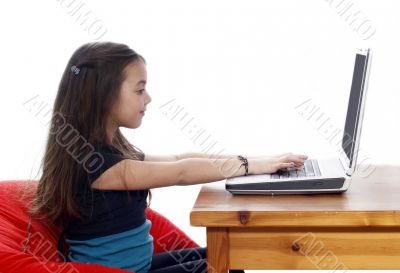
274 163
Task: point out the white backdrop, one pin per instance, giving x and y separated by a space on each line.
238 70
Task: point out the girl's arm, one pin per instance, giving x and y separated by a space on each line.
166 170
131 174
138 175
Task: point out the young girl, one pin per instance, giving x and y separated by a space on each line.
95 183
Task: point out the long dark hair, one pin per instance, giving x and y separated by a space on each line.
88 89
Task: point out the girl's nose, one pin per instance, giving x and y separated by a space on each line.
148 99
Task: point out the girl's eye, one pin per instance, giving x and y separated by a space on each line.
141 91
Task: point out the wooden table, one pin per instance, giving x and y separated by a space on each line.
359 229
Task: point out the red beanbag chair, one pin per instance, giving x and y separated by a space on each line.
39 253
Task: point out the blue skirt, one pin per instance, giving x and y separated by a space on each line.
130 250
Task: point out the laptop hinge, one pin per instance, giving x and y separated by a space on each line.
346 168
349 172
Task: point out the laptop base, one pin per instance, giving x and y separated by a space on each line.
315 186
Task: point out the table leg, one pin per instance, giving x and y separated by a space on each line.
217 250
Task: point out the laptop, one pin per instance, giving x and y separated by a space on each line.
327 175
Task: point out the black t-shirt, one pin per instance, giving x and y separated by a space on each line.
107 211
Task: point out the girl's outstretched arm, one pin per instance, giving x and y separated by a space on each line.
138 175
131 174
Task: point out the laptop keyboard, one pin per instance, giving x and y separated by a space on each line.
310 168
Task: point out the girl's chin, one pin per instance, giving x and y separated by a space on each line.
132 126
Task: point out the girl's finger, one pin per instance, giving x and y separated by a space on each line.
283 165
295 158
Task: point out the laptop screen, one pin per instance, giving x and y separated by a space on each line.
353 110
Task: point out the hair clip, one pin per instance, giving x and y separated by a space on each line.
75 70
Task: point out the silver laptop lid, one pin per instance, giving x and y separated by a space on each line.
355 110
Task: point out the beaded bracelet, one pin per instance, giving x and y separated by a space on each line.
245 163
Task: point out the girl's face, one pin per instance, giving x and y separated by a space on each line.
133 97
